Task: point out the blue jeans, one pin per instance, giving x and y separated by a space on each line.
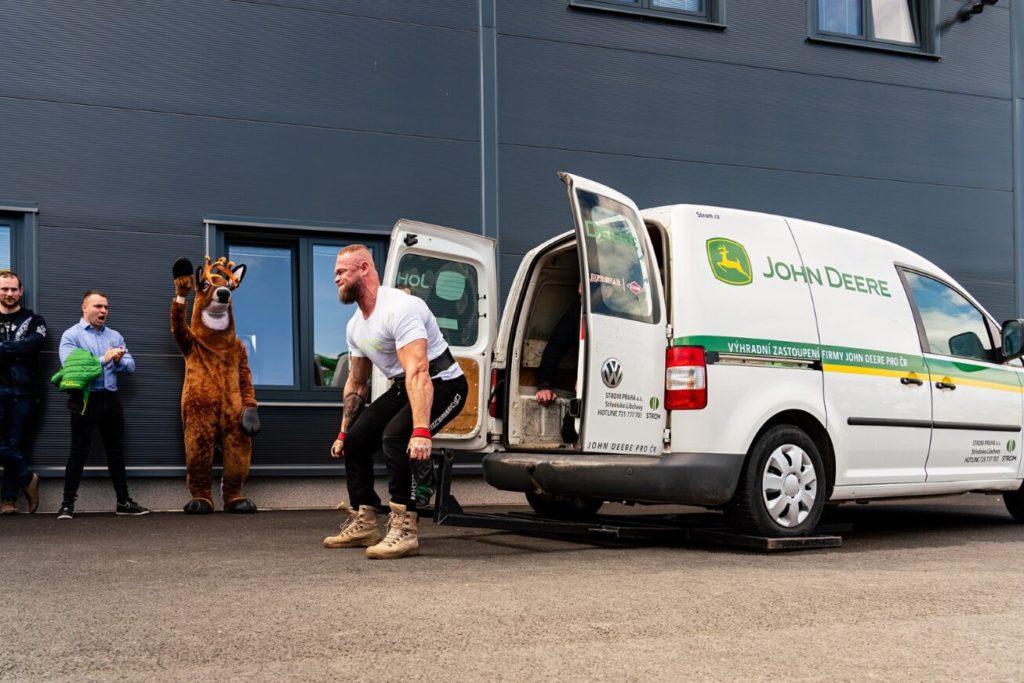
15 414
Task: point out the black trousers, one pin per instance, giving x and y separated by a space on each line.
104 413
386 425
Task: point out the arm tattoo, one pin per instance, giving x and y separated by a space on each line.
354 404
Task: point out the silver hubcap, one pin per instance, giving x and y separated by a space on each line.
789 485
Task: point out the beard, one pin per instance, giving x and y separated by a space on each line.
349 294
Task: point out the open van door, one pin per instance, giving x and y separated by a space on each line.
455 273
621 378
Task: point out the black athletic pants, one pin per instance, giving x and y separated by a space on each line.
386 425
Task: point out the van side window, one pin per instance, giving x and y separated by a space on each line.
619 278
449 288
952 325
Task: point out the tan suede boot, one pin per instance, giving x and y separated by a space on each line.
401 539
359 530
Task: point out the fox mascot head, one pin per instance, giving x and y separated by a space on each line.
212 315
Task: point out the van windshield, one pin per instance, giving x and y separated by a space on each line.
619 278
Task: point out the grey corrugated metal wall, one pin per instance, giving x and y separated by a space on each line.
129 122
904 147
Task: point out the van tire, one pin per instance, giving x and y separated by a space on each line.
1014 502
563 507
783 466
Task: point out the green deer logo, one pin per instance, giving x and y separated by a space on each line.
729 261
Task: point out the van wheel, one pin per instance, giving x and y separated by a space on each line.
1014 502
563 507
781 491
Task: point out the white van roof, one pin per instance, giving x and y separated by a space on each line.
679 214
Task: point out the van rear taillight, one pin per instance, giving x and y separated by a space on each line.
686 385
492 404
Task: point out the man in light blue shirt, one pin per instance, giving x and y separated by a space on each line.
103 409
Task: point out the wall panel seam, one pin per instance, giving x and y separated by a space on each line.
756 67
216 117
275 5
1008 190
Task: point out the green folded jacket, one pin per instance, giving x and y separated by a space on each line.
80 369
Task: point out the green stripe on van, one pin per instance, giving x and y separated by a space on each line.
848 356
979 373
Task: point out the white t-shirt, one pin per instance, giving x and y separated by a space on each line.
397 319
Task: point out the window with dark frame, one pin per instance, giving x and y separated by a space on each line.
17 246
287 311
896 25
709 12
7 245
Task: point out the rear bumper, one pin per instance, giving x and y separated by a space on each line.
685 478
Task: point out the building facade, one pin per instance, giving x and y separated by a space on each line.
276 131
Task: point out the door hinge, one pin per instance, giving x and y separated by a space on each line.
668 331
575 407
666 436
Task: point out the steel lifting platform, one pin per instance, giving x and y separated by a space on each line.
674 529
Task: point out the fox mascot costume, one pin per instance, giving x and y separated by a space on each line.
218 404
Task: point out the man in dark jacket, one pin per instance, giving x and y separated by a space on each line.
22 333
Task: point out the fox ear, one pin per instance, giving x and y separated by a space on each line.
201 284
239 273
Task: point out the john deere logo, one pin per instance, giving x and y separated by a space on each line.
729 261
611 373
1010 446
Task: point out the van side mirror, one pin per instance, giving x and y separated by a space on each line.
1013 339
967 345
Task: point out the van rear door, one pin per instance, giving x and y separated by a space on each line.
455 273
621 378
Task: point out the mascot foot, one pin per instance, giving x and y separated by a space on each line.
242 506
198 506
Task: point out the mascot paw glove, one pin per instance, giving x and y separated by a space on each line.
251 421
183 281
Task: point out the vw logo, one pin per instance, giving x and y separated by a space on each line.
611 373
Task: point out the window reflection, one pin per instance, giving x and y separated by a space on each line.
450 290
264 312
953 326
891 20
5 246
620 284
840 16
685 5
330 317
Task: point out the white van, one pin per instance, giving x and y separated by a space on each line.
728 359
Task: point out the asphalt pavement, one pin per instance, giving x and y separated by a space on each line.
918 591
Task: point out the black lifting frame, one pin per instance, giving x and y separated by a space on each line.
668 529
